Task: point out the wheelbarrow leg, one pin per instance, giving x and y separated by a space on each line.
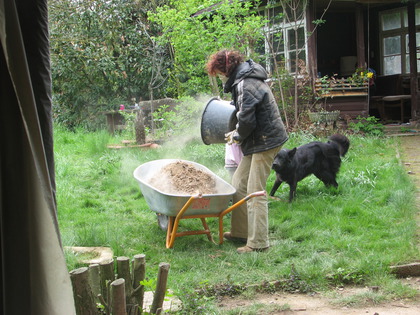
170 234
207 230
174 221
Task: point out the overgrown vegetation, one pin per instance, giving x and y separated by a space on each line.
102 55
108 53
326 238
367 125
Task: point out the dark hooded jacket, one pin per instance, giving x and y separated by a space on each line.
260 126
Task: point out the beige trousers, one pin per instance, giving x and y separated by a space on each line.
250 220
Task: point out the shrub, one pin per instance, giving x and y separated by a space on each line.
367 125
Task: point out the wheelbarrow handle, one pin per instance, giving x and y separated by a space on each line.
256 194
243 200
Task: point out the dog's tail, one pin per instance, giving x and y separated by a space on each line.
342 141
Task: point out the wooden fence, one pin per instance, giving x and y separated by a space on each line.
98 290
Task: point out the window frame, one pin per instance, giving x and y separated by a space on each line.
402 32
283 27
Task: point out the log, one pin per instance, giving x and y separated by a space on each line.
408 270
123 272
159 296
95 280
107 276
118 305
83 297
139 274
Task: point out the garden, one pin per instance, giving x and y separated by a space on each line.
326 238
108 54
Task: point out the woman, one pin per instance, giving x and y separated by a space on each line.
261 133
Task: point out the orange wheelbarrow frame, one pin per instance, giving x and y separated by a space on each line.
174 221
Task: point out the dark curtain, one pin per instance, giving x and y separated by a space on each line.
34 278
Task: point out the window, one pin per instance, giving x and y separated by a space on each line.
285 41
394 40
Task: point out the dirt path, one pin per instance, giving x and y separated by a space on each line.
291 304
410 156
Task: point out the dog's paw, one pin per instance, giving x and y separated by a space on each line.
273 198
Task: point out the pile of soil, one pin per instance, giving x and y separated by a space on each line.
182 178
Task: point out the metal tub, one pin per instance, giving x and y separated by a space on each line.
170 204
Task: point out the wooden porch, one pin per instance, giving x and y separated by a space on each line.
352 30
350 98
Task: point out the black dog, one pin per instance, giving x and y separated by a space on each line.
318 158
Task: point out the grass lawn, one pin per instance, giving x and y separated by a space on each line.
326 238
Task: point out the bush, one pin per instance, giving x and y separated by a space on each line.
367 125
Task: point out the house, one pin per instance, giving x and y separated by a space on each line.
381 36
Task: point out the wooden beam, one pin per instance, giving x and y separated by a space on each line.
360 37
414 88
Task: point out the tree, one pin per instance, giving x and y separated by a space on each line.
100 56
197 28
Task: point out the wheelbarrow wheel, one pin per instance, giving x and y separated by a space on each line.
163 221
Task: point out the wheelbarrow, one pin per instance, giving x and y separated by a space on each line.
171 208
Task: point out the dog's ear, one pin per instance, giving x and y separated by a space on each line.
292 153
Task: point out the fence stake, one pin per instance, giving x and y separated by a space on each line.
139 274
118 305
123 272
160 288
107 275
83 297
94 280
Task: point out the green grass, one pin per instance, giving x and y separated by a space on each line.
328 237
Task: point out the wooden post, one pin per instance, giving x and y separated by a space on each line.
160 288
123 271
360 37
107 276
139 274
95 280
414 88
139 127
83 297
118 305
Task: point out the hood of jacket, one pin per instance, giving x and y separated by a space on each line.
247 69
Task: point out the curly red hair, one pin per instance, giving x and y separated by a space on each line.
224 61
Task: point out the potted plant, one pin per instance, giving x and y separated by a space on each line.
361 77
